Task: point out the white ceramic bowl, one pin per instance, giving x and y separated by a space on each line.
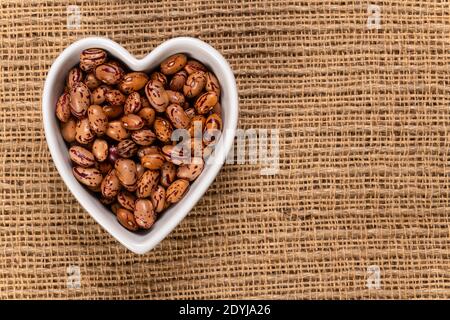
140 242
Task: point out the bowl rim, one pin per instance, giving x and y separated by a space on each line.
226 141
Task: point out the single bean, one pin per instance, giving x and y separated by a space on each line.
90 177
117 131
157 95
133 103
158 76
178 117
206 102
132 82
75 75
91 81
98 121
115 97
91 58
194 66
109 73
153 161
84 134
144 213
168 173
126 200
147 114
68 130
81 156
173 64
63 108
80 100
126 172
147 183
126 219
191 171
178 80
176 190
100 149
158 198
143 137
110 185
194 84
132 122
163 129
127 148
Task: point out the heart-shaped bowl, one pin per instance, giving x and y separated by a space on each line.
140 242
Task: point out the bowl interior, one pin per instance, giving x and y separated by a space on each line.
143 241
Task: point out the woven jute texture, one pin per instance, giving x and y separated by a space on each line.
363 116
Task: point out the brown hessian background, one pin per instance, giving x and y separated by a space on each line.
364 128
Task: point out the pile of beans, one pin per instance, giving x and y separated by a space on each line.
119 127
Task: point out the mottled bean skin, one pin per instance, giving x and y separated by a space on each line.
100 149
81 156
133 103
132 82
110 185
92 82
127 148
176 190
109 73
178 117
127 200
117 131
157 95
90 177
91 58
75 75
113 112
158 76
80 100
153 161
193 66
191 171
126 172
206 102
68 130
178 81
158 198
147 183
213 128
98 94
176 97
115 97
84 134
98 121
148 115
144 213
173 64
212 84
168 173
163 129
194 84
143 137
63 108
132 122
126 219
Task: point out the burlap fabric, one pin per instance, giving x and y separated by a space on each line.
364 124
